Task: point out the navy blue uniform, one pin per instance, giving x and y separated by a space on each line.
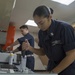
30 60
56 41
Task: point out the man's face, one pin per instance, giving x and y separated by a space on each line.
42 22
23 31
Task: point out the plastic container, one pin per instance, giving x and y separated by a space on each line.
11 57
24 69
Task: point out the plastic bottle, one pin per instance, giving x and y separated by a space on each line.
24 69
11 58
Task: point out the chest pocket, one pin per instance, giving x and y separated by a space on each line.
53 40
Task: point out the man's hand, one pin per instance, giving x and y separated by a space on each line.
8 49
25 45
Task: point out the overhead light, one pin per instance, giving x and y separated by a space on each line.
66 2
14 4
31 23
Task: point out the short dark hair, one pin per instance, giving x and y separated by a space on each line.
23 27
43 11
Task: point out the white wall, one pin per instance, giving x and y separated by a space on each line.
38 63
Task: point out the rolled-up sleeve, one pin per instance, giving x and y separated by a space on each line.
68 38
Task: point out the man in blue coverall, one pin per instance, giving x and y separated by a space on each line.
26 35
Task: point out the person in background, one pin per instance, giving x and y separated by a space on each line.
26 35
56 40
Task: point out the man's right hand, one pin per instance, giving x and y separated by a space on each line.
8 49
